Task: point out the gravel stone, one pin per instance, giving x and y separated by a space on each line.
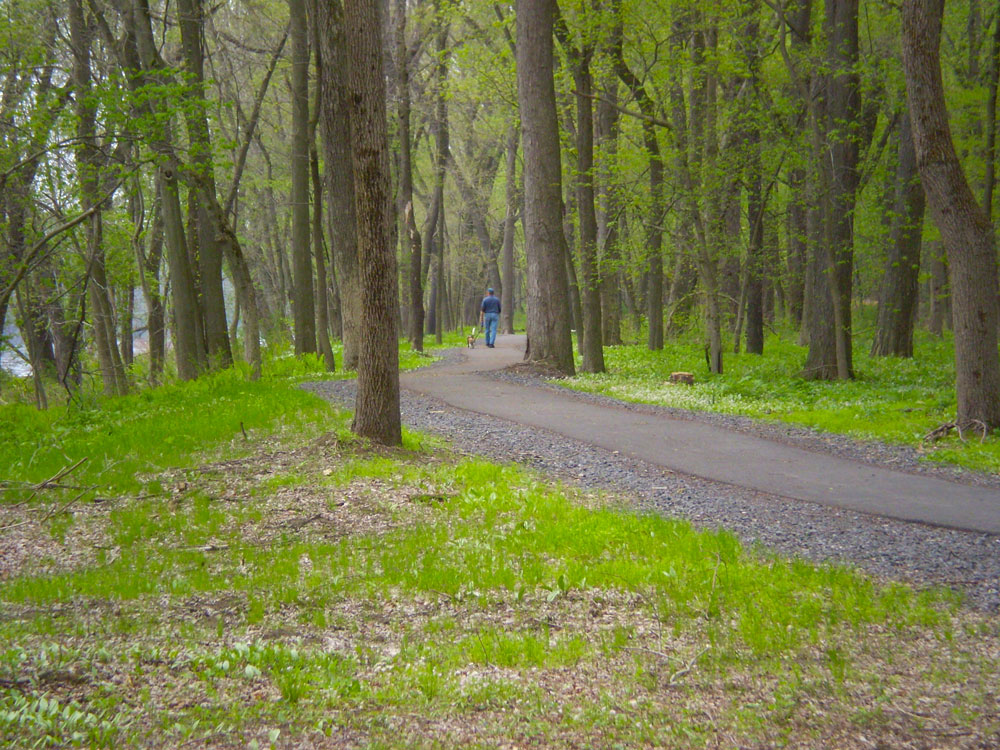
884 548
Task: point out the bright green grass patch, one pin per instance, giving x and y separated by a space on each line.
157 428
500 532
123 438
466 589
891 399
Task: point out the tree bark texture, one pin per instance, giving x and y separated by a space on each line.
545 244
510 219
376 414
339 177
303 301
207 242
898 297
592 345
843 107
964 225
405 200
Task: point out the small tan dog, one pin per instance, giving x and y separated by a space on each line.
470 340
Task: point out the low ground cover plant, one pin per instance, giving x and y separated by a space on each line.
296 587
891 399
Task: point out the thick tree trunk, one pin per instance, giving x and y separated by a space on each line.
182 296
376 414
340 184
303 301
545 244
843 111
964 226
821 360
898 297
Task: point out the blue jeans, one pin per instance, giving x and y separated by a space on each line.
490 321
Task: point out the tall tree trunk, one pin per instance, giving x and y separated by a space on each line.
609 203
319 247
149 278
510 219
303 301
184 305
709 220
821 360
756 262
203 235
376 414
796 228
898 297
188 351
964 225
755 250
319 251
88 160
545 244
843 111
126 340
654 222
405 189
593 345
572 283
340 184
442 138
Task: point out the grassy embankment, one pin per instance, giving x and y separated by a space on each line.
891 400
291 584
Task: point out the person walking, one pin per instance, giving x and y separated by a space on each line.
489 316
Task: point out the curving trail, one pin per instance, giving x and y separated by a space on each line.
706 451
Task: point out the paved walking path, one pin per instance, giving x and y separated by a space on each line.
707 451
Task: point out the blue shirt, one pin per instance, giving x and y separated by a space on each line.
491 304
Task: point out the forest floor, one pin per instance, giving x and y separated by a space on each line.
318 593
297 588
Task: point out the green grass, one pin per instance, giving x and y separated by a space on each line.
427 601
123 439
891 399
